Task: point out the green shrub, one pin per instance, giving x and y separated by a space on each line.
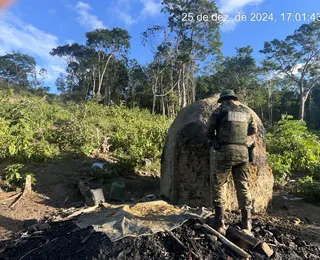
309 188
137 135
14 177
32 129
293 149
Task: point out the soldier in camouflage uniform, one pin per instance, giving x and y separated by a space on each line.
228 128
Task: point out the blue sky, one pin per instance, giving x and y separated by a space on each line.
35 27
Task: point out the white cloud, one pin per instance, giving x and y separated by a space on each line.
17 35
233 7
128 12
126 18
120 10
85 18
151 7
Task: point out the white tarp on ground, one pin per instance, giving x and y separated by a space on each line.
118 221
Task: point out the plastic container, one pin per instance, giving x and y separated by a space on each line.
99 165
97 196
117 191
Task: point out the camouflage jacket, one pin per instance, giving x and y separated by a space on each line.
231 124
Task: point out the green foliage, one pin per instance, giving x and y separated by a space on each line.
240 73
293 149
309 188
14 177
137 135
34 130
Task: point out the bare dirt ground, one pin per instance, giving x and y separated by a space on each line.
55 189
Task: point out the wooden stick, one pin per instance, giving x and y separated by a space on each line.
74 214
227 242
197 253
47 242
180 243
176 239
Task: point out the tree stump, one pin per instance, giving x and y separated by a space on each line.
26 191
185 162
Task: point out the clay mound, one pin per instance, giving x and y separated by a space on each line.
185 162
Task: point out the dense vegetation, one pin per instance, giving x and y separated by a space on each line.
106 98
293 150
32 129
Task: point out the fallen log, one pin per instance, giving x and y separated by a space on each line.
227 242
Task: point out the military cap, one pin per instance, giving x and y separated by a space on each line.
227 94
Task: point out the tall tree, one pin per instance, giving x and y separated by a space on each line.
107 44
18 68
137 83
195 40
298 59
87 74
239 73
80 62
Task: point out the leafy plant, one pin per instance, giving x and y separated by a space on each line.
309 188
293 149
34 130
14 177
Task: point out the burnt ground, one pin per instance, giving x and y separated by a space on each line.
66 241
291 227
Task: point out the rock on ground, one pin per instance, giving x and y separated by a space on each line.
185 162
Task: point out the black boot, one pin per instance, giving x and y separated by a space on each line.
246 219
218 221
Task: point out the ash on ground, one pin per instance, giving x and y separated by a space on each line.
65 240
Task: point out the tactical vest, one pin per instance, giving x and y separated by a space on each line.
233 126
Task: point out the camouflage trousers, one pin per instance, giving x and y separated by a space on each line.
219 174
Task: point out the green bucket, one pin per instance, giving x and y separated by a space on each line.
117 191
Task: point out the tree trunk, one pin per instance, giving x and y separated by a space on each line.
269 102
184 92
154 88
99 73
179 89
103 72
302 102
94 85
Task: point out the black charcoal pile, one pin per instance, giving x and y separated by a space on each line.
65 240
